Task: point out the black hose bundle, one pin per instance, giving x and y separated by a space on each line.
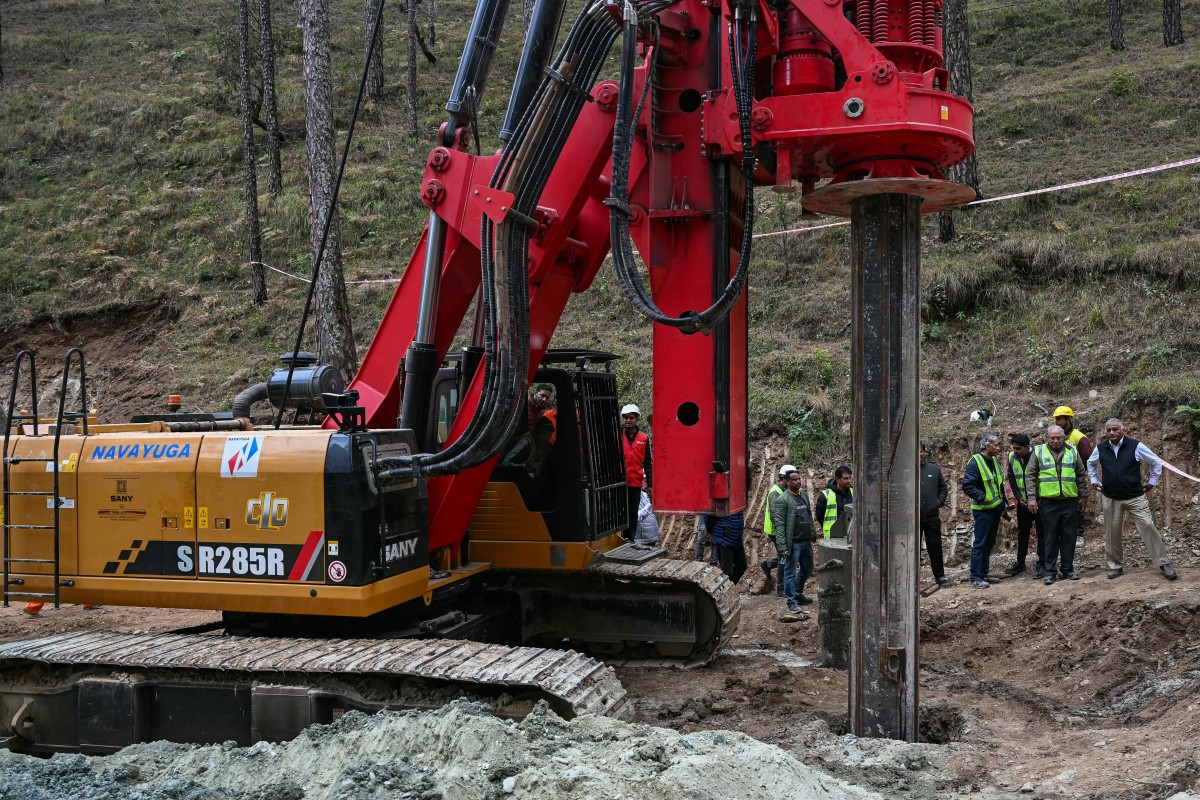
742 66
523 170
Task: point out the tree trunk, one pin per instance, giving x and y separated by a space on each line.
375 68
335 340
270 104
1116 28
1172 23
411 82
956 45
258 278
2 48
431 7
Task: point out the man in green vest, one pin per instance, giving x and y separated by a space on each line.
983 482
773 567
1057 487
832 502
1064 417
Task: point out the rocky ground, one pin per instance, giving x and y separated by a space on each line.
1084 689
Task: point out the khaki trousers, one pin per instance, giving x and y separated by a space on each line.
1114 519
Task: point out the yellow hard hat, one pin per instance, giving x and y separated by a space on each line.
1063 411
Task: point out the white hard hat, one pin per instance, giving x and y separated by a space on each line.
630 408
785 469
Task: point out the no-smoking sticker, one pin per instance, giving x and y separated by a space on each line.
337 571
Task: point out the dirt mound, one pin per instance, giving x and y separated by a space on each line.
459 752
120 383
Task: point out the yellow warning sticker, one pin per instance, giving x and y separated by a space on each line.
203 518
945 112
189 517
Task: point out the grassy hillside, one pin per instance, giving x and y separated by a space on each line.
119 184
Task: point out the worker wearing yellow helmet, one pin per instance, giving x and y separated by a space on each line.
1064 417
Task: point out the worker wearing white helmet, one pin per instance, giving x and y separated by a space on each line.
639 466
773 567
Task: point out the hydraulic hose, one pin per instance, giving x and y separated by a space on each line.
742 69
523 169
247 398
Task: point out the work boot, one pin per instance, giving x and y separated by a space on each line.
991 579
942 580
1168 572
1015 569
1116 572
979 583
1040 572
764 565
1050 578
794 608
1072 575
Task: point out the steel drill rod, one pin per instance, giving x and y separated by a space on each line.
885 238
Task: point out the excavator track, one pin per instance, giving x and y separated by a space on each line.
658 612
98 691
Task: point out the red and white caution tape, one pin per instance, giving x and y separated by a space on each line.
309 280
1178 471
1187 162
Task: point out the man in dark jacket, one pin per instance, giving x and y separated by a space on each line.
1018 467
983 482
832 502
794 534
933 497
726 534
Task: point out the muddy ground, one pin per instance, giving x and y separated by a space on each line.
1083 689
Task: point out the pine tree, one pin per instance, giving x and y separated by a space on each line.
1116 28
335 339
411 79
258 278
375 66
1172 23
956 44
270 104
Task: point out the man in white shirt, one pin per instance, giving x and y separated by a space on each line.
1119 458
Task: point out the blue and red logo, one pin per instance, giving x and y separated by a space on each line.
240 459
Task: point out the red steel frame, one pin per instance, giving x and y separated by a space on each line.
889 125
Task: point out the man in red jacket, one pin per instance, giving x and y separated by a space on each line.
639 471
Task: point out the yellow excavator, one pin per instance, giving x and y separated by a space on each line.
423 530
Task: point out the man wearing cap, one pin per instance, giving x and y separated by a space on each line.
1018 466
933 497
1118 460
773 567
639 471
1064 417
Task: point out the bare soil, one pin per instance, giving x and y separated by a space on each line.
1083 689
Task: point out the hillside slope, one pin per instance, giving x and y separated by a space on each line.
120 192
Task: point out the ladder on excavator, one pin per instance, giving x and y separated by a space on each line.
30 425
